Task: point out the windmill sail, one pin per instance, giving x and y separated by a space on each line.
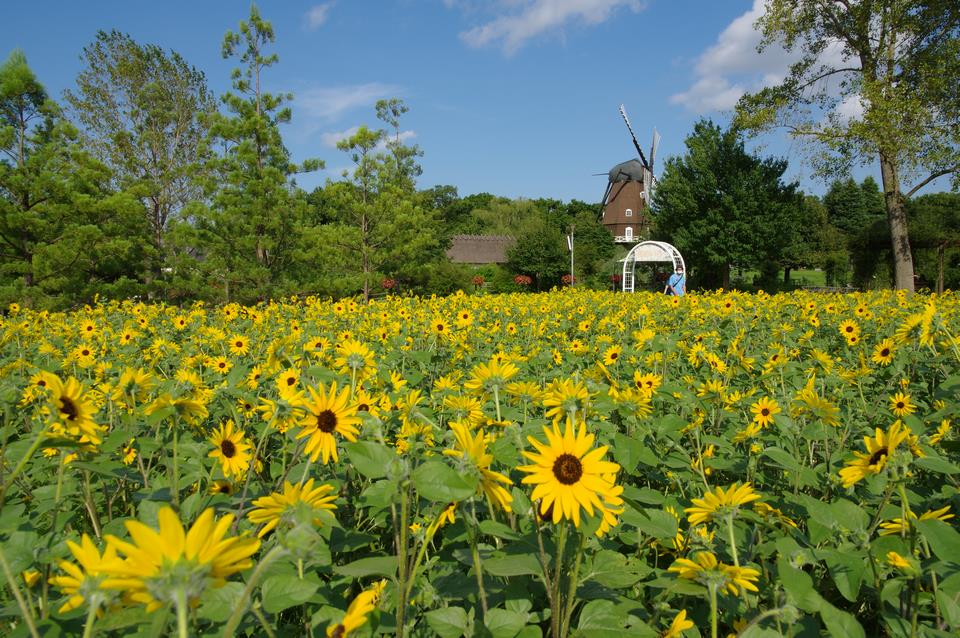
636 144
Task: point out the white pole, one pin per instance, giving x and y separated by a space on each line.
572 280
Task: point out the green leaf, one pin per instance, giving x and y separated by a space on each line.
219 603
839 622
938 465
498 529
613 569
944 540
284 591
799 586
438 482
601 619
372 566
449 622
847 570
627 451
782 458
519 565
504 623
653 522
950 609
370 458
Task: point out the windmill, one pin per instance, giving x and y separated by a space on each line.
629 192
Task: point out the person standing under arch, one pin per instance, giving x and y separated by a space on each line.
677 283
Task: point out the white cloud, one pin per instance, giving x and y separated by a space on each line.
317 15
331 138
527 19
329 103
732 66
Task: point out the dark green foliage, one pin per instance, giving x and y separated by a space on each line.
248 235
67 236
541 253
722 207
142 110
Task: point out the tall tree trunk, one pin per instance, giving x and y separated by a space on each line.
786 276
897 220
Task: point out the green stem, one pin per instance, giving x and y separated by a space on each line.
555 603
15 590
713 609
175 480
496 400
402 560
572 588
476 562
732 538
181 604
231 627
23 462
91 619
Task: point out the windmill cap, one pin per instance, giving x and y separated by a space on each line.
629 171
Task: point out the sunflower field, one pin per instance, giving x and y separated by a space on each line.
573 463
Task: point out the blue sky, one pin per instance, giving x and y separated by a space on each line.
514 97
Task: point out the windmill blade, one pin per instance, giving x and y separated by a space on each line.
603 204
653 148
636 144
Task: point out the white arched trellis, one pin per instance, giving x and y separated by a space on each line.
648 251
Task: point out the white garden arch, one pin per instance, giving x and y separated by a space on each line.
645 252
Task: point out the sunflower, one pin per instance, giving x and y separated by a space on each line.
569 475
354 358
901 405
288 380
883 352
764 411
329 411
84 355
565 398
706 570
942 430
473 447
647 382
896 525
718 503
491 377
612 355
72 411
160 564
281 507
81 581
239 345
133 387
849 328
232 450
679 625
879 449
899 562
365 602
464 408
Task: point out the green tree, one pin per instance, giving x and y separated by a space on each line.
722 207
541 253
142 111
899 60
65 235
935 219
249 233
384 229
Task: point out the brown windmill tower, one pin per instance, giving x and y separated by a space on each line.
626 201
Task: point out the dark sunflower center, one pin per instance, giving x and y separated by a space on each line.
848 329
879 454
439 327
568 469
613 355
363 407
885 352
291 380
327 421
765 412
900 405
85 353
239 344
228 449
224 488
68 408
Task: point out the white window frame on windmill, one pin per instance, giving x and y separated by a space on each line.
628 212
628 233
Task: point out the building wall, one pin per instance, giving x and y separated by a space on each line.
626 196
